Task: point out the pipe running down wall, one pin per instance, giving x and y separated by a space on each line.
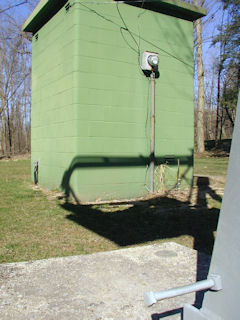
152 142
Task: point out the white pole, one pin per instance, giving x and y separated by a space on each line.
213 282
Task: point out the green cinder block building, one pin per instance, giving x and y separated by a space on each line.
91 100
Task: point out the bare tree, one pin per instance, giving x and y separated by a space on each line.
14 87
200 72
12 5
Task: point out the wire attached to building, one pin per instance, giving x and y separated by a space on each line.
118 25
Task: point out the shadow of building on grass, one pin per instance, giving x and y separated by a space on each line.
141 221
134 222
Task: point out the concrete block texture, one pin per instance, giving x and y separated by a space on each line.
91 100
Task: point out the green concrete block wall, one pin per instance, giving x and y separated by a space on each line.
91 101
54 120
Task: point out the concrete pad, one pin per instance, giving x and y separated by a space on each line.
101 286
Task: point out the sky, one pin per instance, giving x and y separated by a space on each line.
210 24
210 30
21 11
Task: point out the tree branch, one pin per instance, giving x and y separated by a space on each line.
13 6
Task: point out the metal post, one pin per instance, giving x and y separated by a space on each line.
152 141
178 175
213 282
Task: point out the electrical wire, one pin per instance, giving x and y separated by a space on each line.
139 64
136 50
127 29
137 43
139 38
122 34
116 1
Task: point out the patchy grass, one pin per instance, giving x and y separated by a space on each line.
213 166
36 226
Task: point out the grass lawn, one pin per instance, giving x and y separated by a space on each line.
36 225
211 166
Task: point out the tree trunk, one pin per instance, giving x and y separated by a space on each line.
9 132
200 106
218 105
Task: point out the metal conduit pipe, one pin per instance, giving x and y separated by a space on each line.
213 282
152 142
